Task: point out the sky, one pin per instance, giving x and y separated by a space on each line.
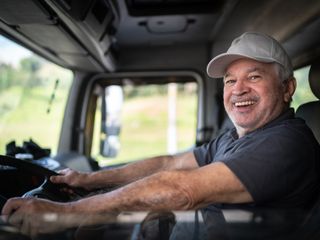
11 52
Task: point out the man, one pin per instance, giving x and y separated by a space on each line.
269 160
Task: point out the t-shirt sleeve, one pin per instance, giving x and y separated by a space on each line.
266 170
205 154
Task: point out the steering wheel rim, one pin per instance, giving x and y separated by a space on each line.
47 189
26 165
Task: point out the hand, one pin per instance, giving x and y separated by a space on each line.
72 178
34 216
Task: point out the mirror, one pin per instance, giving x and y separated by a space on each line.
112 101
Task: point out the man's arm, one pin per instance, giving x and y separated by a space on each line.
128 173
166 190
171 190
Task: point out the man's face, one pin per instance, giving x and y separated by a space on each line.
253 94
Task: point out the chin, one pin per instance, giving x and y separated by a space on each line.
245 126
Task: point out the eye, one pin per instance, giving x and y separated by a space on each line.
254 77
229 81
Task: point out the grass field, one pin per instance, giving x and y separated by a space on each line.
145 124
24 115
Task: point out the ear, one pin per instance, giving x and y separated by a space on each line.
289 89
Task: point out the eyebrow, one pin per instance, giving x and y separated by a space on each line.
250 70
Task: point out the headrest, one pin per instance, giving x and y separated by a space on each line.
314 79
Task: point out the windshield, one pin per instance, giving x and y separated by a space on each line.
155 119
33 94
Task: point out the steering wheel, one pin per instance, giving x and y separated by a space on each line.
47 189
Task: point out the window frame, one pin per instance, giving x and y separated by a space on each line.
302 74
88 101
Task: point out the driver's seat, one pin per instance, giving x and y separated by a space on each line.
310 111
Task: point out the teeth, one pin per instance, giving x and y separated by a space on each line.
246 103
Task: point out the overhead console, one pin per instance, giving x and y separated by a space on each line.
72 33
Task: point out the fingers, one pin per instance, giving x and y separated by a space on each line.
62 177
57 179
14 217
70 177
28 215
30 227
11 206
65 171
27 223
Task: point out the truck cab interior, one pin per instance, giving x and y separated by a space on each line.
118 51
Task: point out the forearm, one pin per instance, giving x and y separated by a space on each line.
128 173
140 169
172 190
161 191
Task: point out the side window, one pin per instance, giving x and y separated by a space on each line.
33 94
155 120
303 92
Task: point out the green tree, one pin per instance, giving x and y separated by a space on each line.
8 76
30 67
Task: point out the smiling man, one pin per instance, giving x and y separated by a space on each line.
255 94
269 160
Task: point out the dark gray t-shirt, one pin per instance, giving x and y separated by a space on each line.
278 164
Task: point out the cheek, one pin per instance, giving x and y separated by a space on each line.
226 100
272 98
226 95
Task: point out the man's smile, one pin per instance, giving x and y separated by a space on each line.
244 103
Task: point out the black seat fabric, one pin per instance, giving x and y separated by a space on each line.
310 111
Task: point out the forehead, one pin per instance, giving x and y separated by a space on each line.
248 65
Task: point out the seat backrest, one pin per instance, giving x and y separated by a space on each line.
310 111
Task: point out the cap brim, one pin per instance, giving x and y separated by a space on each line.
216 68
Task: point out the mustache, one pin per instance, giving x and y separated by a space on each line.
235 99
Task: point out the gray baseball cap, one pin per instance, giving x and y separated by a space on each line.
256 46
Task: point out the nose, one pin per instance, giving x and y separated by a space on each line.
240 87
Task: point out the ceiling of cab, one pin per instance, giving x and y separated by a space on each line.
75 34
104 35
